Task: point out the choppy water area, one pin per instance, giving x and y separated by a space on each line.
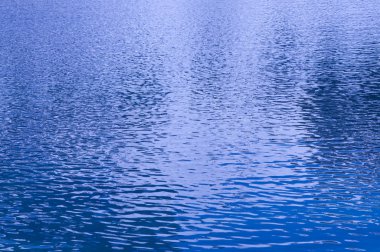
190 125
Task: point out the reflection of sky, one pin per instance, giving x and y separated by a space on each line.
219 127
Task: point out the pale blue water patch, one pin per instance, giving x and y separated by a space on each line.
189 125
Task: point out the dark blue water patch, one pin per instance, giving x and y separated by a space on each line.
176 125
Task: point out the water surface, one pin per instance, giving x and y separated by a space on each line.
190 125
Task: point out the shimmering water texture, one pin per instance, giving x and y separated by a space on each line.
195 125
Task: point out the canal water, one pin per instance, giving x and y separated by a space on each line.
198 125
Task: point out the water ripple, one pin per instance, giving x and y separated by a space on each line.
177 125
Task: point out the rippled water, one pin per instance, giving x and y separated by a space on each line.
190 125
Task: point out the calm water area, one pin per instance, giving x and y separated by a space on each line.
178 125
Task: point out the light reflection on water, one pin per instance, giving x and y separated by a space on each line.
189 125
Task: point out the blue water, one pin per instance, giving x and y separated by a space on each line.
195 125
